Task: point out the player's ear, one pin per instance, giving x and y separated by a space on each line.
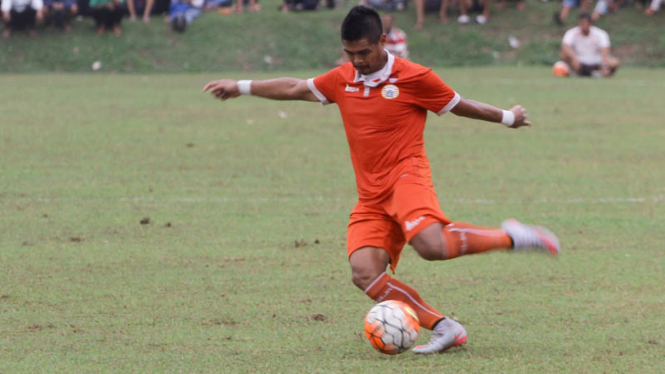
382 41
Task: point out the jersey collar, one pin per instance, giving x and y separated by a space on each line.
378 77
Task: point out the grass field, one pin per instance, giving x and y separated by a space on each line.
242 266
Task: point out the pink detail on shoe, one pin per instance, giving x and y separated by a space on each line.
548 243
459 341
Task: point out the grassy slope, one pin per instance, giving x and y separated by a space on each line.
310 40
86 288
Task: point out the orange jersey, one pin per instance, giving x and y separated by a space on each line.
384 118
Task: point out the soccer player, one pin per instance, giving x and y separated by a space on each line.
384 101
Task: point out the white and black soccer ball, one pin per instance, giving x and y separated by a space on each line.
392 327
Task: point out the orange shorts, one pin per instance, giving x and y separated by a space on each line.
392 223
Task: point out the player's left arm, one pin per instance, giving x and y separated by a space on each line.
513 118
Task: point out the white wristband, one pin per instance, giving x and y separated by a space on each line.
508 118
245 87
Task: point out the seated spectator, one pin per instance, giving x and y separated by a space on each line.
503 4
466 6
586 49
482 6
107 15
653 8
145 5
21 15
566 5
299 5
183 12
395 38
214 4
60 12
380 4
604 7
253 6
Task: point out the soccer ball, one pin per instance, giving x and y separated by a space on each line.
560 69
391 327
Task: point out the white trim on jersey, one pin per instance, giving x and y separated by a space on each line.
452 104
316 92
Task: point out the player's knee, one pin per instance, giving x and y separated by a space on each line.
362 276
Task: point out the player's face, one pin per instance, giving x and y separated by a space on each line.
366 57
585 26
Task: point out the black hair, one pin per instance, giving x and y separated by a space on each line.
362 23
585 16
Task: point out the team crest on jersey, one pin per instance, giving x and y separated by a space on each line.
390 91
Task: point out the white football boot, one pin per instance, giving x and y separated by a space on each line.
527 237
446 334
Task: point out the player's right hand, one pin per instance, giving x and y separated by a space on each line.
223 89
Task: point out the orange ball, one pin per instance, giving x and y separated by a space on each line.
561 69
392 327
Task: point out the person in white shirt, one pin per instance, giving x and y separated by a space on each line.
395 38
586 49
21 15
653 8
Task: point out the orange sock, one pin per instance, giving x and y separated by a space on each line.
465 239
386 287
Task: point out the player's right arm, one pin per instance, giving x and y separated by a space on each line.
275 89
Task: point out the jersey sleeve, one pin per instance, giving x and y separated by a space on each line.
324 86
436 96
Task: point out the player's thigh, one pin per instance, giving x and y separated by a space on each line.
415 206
367 263
370 226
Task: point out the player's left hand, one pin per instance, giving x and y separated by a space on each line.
520 117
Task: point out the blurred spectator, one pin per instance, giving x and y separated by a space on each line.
381 4
395 38
423 6
443 11
653 8
586 49
299 5
566 6
466 6
107 15
482 6
21 15
60 12
604 7
214 4
503 4
183 12
145 5
253 6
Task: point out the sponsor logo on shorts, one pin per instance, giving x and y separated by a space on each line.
390 91
410 225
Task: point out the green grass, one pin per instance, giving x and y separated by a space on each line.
278 42
215 283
